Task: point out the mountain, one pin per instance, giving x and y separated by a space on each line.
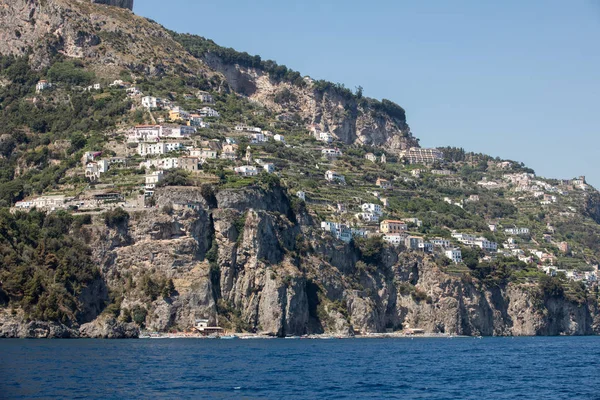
131 176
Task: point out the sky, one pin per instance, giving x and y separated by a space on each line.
515 79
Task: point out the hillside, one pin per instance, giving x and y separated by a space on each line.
150 179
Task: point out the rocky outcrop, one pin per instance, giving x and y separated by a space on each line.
15 326
109 328
242 260
101 37
351 120
116 3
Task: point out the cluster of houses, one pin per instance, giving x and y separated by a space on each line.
90 200
395 233
258 135
131 90
588 277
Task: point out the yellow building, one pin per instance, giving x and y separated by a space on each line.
391 226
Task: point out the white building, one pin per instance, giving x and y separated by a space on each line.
91 171
177 132
149 102
145 133
372 208
258 138
332 176
325 137
208 112
395 239
339 231
367 217
43 202
331 153
246 170
149 149
42 85
301 195
269 168
472 240
455 255
517 231
417 155
153 179
279 138
439 242
371 157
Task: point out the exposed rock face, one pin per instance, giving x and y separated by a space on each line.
260 282
116 3
14 326
102 37
109 328
349 120
244 260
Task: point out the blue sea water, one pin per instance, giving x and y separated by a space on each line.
420 368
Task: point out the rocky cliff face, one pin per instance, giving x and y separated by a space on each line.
116 3
352 121
107 39
244 261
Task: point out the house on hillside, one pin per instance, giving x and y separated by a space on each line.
207 112
205 97
331 154
371 157
189 163
246 170
384 183
372 208
332 176
42 85
455 255
393 226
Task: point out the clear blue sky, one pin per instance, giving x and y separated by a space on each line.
514 79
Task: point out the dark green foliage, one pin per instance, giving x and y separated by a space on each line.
169 289
551 286
471 256
389 108
285 96
453 154
212 255
70 72
199 47
117 218
370 249
176 177
43 266
76 117
138 315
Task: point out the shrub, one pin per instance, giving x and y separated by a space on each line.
116 218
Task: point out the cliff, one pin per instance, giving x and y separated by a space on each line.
251 259
106 39
245 263
116 3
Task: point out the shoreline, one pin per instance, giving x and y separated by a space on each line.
249 336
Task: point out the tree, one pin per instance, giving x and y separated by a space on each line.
169 289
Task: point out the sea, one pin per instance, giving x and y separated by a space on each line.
419 368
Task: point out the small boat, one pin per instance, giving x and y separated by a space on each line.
292 337
229 337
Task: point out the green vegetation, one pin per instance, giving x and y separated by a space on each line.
44 266
199 47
